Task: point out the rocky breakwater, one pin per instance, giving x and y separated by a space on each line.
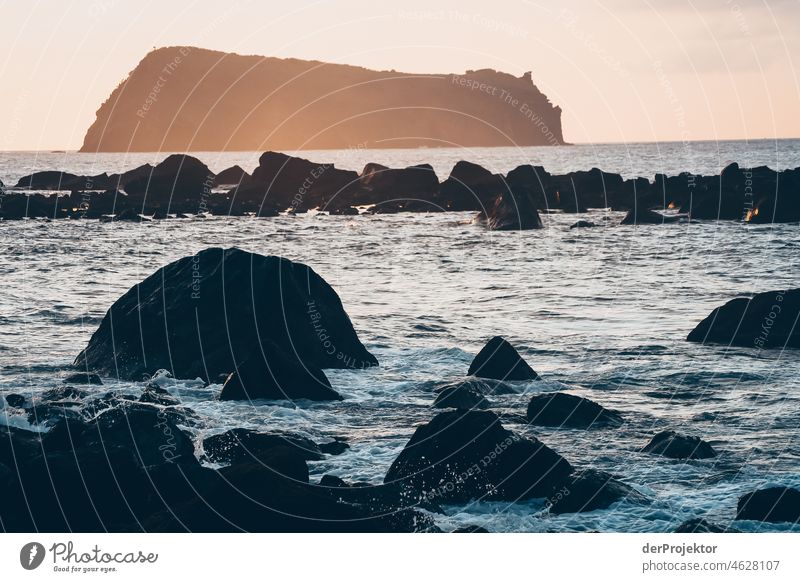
182 185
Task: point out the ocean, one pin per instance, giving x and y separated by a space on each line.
602 313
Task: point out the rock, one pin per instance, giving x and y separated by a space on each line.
232 176
64 393
589 489
333 482
154 394
700 525
179 178
241 445
514 211
16 400
83 378
464 396
670 444
500 361
379 184
765 320
277 376
641 215
464 455
470 187
583 224
47 180
203 315
569 411
50 413
342 210
336 447
774 505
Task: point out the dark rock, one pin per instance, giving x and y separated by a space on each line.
231 176
700 525
765 320
569 411
64 393
463 455
464 396
83 378
589 489
204 314
670 444
333 482
583 224
16 400
470 187
277 376
336 447
177 179
50 413
342 210
774 505
242 445
380 184
47 180
471 529
641 215
500 361
154 394
514 211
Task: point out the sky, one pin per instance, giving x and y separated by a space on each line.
621 70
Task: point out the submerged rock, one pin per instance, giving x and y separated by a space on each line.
204 315
590 489
583 224
16 400
569 411
765 320
500 361
670 444
774 504
463 455
244 445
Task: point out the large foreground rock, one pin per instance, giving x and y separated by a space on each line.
499 360
774 504
766 320
205 314
463 455
569 411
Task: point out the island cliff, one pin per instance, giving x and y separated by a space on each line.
191 99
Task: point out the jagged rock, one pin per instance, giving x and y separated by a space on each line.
463 455
203 315
773 504
277 376
64 393
464 396
83 378
154 394
589 489
700 525
670 444
765 320
500 361
569 411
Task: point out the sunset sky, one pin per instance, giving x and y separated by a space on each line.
622 70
